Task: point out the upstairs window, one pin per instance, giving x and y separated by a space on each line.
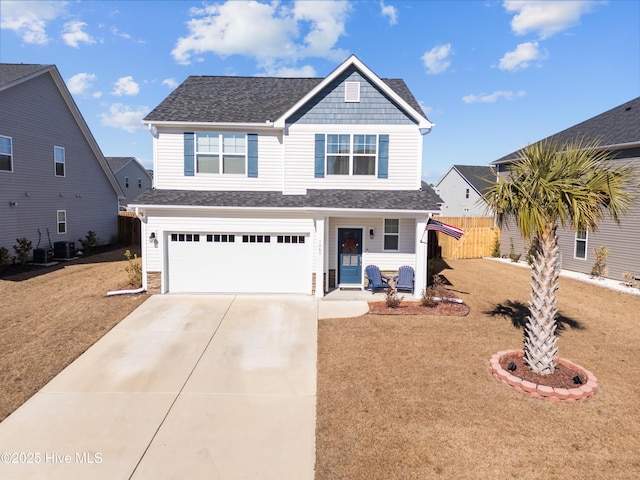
126 182
58 159
6 154
221 153
139 183
351 154
466 193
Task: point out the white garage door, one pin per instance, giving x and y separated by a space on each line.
239 263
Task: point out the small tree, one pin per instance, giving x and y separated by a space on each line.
22 249
133 269
600 269
572 185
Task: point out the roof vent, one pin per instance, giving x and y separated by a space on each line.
627 109
352 91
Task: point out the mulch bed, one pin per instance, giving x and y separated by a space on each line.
562 376
415 308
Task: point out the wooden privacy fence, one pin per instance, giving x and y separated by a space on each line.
128 229
479 237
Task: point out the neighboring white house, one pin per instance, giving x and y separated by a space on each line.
132 177
285 185
460 189
55 185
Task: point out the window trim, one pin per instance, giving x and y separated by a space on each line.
57 162
62 222
220 153
584 240
352 154
10 154
385 234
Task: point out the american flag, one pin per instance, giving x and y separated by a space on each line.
455 232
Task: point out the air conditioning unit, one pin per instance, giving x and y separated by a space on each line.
42 255
64 249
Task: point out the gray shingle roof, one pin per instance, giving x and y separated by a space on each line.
10 72
478 176
244 99
618 126
425 199
116 163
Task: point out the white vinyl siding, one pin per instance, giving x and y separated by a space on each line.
169 166
405 159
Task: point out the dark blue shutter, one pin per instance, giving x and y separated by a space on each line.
319 162
189 150
383 156
252 150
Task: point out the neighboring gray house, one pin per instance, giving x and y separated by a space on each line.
285 185
55 184
616 130
460 189
132 177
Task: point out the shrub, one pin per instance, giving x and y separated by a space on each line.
4 258
22 249
600 268
495 253
628 279
531 252
515 257
90 241
426 298
133 269
391 298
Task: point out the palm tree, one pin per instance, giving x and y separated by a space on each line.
571 185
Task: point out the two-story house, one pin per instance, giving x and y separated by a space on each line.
285 185
55 185
461 190
132 177
617 131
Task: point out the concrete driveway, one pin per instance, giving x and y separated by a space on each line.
186 387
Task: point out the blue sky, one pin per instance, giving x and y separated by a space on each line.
492 75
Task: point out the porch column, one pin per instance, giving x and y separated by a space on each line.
319 256
421 259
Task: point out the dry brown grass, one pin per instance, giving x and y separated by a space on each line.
51 316
412 398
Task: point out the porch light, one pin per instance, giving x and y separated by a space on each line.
371 232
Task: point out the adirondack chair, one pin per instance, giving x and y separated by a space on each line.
404 279
377 281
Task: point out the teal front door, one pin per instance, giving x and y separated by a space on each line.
350 256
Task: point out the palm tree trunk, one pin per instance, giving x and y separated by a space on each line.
540 332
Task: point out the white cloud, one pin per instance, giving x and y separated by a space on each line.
308 28
546 18
437 59
81 83
304 71
170 82
389 11
74 35
124 117
521 57
493 97
126 86
29 19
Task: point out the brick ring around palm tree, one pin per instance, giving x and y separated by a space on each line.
579 393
